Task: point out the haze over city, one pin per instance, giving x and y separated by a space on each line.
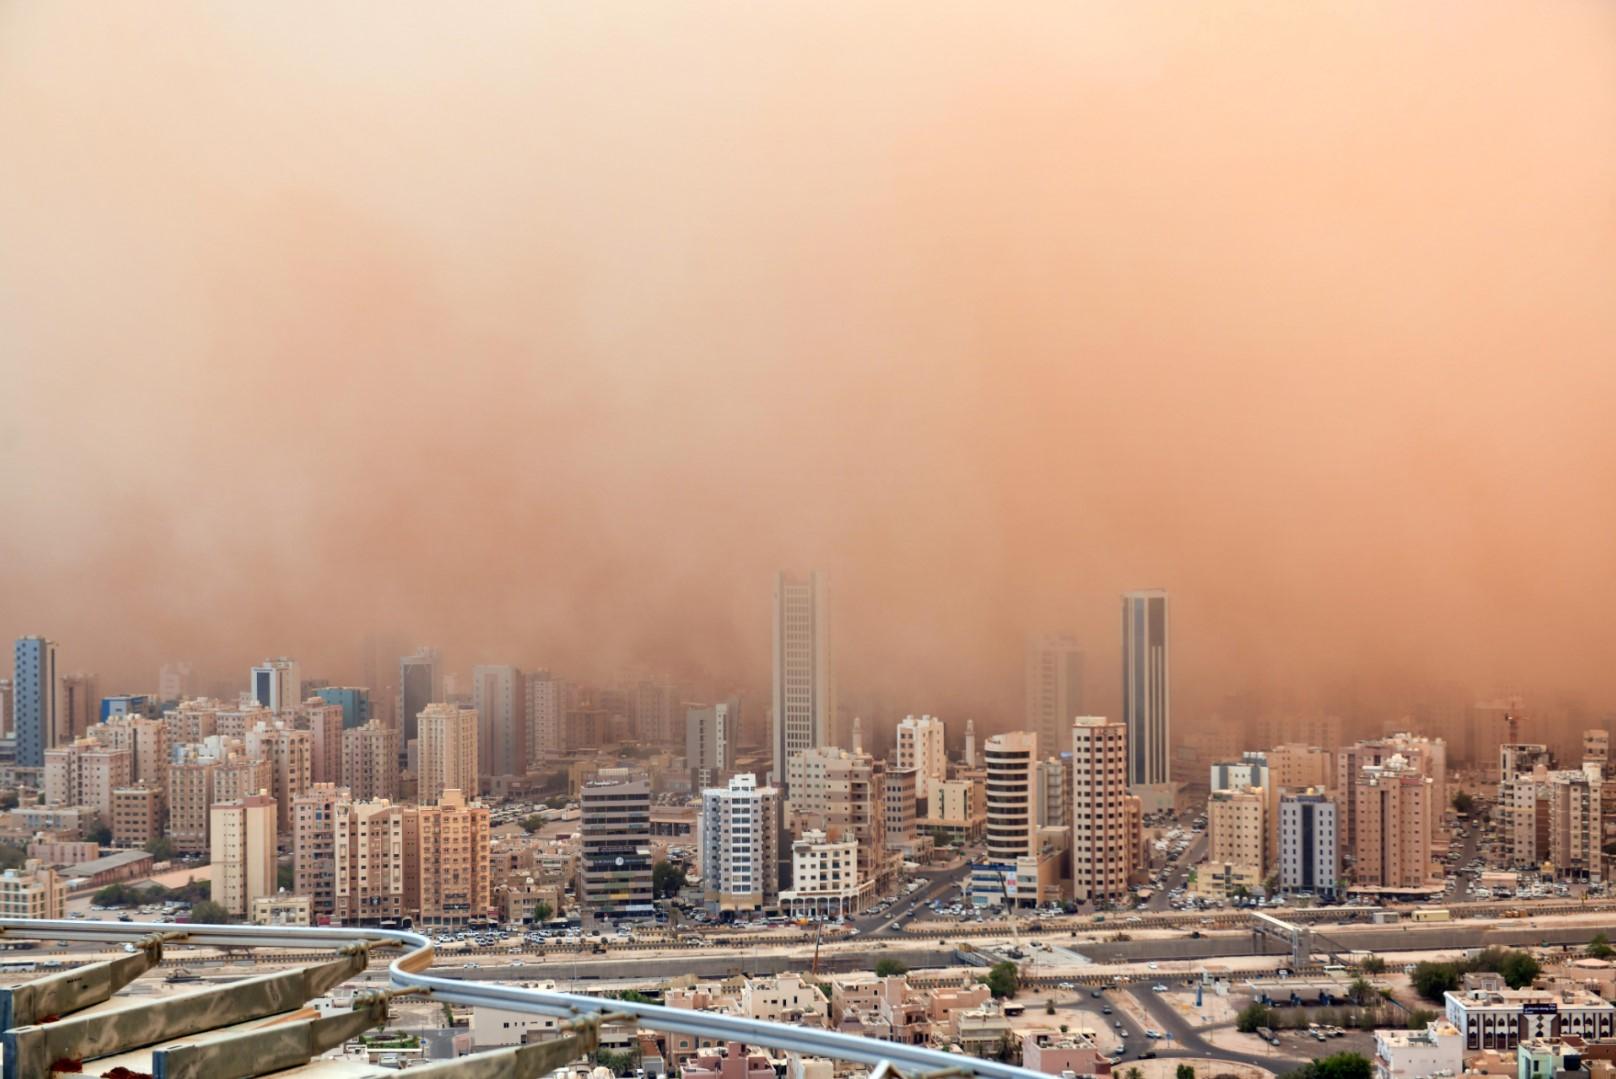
549 339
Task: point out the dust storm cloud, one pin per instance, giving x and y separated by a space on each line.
547 333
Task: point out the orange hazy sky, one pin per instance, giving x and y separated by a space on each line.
547 332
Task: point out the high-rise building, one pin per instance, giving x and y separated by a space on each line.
546 716
242 851
370 761
614 862
970 743
497 694
1251 770
418 686
1392 848
190 799
375 861
174 682
738 845
146 739
804 689
277 684
842 793
1147 687
8 700
85 772
1309 845
1054 788
711 733
353 700
1054 690
314 815
1296 767
1596 745
79 706
921 746
447 752
1101 855
325 739
38 701
901 809
1235 828
454 869
290 753
1012 783
1427 756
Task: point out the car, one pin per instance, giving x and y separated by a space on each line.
1158 988
1107 1011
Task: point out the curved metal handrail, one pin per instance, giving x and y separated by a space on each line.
411 971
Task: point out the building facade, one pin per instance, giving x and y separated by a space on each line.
1147 687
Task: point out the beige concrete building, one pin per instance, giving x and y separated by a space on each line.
370 761
376 861
901 807
137 815
325 740
85 772
314 813
34 891
825 877
190 797
921 747
281 909
290 754
192 721
453 846
1393 803
1236 828
841 794
238 776
147 740
243 852
1054 690
960 812
1101 854
1294 767
739 864
447 751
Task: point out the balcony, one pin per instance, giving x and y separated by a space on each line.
262 1025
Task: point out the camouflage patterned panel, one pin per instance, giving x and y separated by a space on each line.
521 1062
262 1052
30 1051
76 989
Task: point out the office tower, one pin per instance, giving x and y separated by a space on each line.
1147 687
841 793
370 761
137 815
1012 782
242 851
448 751
8 698
710 735
353 700
546 716
1054 690
418 686
901 809
497 694
325 740
804 690
970 743
1235 828
1309 845
314 844
1101 859
290 754
921 747
375 861
78 706
190 800
1251 770
453 859
738 856
277 684
1393 830
174 682
614 863
36 709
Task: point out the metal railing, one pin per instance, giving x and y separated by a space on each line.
412 970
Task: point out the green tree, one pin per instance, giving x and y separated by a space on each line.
1184 1071
12 856
1372 964
161 848
1463 803
532 824
1520 969
1003 980
1336 1066
888 967
1251 1017
1420 1018
285 877
616 1063
1133 1073
1599 947
207 912
97 832
542 911
666 879
1360 992
1432 979
634 996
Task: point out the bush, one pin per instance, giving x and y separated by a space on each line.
889 968
1599 947
1432 979
1420 1018
1463 804
1372 964
1335 1066
208 912
1185 1071
1003 980
1251 1017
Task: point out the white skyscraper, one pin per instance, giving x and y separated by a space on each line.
1146 687
804 691
920 747
277 684
1054 690
738 859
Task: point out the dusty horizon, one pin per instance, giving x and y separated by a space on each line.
547 335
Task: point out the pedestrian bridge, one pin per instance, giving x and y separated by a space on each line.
73 1021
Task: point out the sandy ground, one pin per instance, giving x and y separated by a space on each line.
1167 1068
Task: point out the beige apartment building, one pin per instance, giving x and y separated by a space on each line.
290 754
313 843
243 852
146 739
453 859
921 746
376 862
370 761
843 795
1393 802
325 740
85 772
34 891
190 797
900 803
447 750
1102 854
137 815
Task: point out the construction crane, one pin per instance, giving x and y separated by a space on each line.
813 969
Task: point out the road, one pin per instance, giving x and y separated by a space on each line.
1186 1041
942 883
1178 871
